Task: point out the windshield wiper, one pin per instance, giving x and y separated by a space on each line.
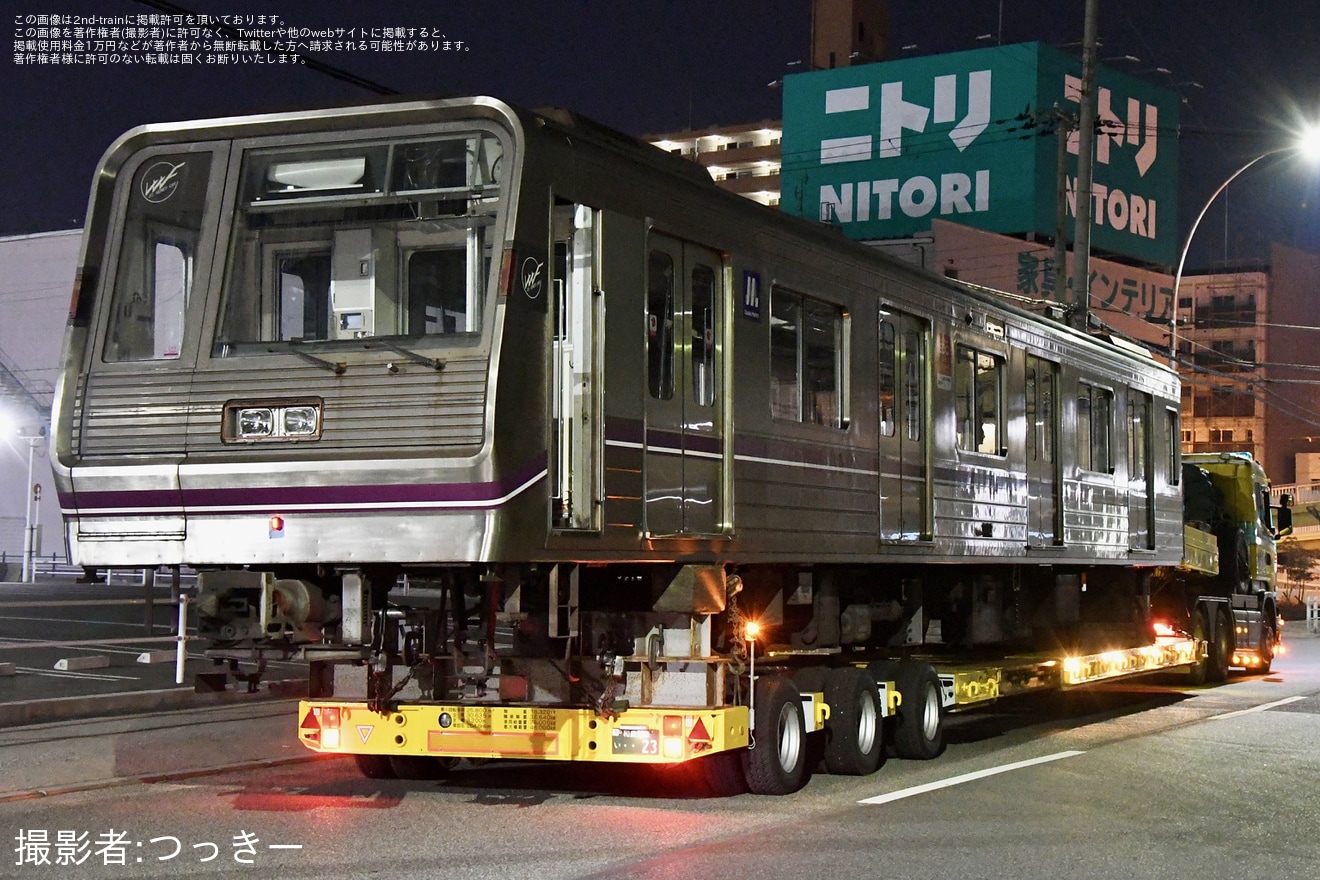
295 347
434 363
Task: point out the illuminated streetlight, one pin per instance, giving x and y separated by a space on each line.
1308 145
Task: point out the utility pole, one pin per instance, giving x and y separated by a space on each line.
1063 125
1085 163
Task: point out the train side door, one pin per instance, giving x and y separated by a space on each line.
1141 491
1045 506
905 502
575 400
684 437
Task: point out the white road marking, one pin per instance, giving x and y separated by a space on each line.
1261 708
966 777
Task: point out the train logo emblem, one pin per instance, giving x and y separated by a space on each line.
531 277
161 181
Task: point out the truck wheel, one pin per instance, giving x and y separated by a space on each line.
421 766
855 739
1198 673
776 762
1221 649
374 766
1269 638
724 774
920 730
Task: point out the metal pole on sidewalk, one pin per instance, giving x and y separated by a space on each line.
182 634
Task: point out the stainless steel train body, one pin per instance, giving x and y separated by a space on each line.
454 339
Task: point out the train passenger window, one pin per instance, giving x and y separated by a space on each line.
1173 451
914 368
1138 436
978 394
703 335
154 279
1095 408
660 325
888 378
1041 391
808 350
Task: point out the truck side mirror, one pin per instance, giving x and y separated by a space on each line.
1283 519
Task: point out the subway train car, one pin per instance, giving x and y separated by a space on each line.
503 401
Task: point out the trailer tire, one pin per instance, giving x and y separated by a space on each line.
1199 672
776 762
374 766
421 766
1221 649
919 732
855 742
723 773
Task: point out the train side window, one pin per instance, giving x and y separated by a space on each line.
703 335
914 369
154 279
1041 390
808 356
1173 451
888 378
1095 406
660 325
978 392
1138 435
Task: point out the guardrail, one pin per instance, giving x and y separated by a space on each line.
180 637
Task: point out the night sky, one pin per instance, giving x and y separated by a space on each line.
1249 72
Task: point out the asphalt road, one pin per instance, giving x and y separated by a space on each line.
1129 781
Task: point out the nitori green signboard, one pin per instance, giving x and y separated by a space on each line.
882 149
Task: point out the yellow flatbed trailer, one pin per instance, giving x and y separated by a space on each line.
671 735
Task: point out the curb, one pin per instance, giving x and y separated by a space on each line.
69 708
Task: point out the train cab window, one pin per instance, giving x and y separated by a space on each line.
808 356
1095 406
660 325
978 394
154 278
346 242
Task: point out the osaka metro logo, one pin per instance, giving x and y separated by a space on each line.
161 181
531 277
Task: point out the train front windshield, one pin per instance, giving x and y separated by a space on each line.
321 244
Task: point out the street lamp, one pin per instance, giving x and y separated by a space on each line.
1308 144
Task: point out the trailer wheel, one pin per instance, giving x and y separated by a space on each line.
724 774
1198 673
855 744
776 762
374 766
1221 648
421 766
920 730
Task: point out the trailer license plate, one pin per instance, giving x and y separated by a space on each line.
636 741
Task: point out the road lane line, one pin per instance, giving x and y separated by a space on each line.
1261 708
966 777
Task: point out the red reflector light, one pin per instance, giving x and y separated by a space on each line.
330 716
672 725
277 523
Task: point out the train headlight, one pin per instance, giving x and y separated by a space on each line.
255 422
300 421
271 420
